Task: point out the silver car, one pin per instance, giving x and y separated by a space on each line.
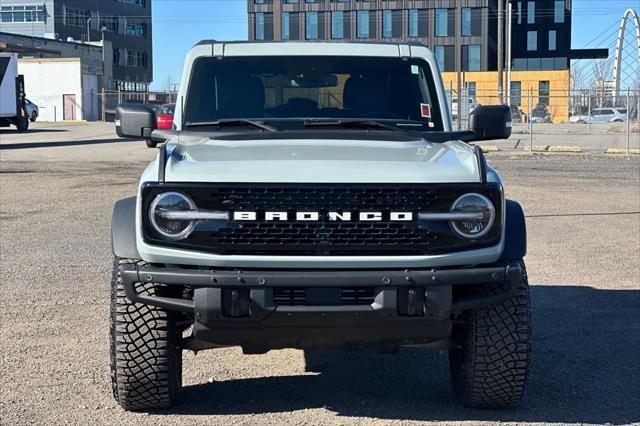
32 110
602 115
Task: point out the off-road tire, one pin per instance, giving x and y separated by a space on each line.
489 363
146 359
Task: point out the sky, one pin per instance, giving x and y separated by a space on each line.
180 24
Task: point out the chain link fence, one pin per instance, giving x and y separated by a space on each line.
584 119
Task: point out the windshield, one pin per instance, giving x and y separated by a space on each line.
395 90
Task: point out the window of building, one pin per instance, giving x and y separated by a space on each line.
75 17
543 92
362 24
111 23
337 24
285 25
531 12
413 23
136 2
519 12
445 56
136 58
552 40
466 21
136 28
471 89
258 1
259 24
22 13
442 22
291 1
311 26
311 1
116 56
471 57
516 93
387 23
532 41
558 12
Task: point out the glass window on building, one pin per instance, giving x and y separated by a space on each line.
519 12
445 56
22 13
362 24
558 12
337 24
466 21
532 41
258 1
516 93
471 89
444 25
136 28
285 26
311 26
387 23
413 23
552 40
471 57
543 93
531 12
259 24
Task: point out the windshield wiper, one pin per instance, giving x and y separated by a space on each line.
353 123
232 122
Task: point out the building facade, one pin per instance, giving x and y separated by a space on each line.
463 35
125 24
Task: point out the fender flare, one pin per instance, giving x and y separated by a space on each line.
515 244
123 229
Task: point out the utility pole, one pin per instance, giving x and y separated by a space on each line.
458 56
500 48
509 31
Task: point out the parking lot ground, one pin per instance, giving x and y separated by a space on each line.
57 189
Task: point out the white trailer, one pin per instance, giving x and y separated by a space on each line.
12 95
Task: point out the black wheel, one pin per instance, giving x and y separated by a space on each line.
34 116
146 358
151 144
489 364
22 123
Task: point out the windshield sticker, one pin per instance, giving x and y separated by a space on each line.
425 110
415 69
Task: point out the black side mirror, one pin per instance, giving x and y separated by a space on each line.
135 121
491 122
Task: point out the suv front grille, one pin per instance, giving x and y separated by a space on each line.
324 237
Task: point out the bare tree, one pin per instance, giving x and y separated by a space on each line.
602 70
168 84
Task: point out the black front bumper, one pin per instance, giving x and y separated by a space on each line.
238 308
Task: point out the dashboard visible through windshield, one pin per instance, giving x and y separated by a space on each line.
396 91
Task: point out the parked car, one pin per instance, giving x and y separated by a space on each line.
32 110
373 225
540 114
602 115
164 116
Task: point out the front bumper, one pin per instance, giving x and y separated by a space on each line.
238 308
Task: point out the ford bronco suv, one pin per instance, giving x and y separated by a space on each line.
314 195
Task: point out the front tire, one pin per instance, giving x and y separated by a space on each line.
489 365
146 358
34 116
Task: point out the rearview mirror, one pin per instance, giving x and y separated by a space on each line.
135 121
491 122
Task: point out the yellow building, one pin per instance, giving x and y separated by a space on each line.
529 89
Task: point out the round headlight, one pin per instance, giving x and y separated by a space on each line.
160 215
481 224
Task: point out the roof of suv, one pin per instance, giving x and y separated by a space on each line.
344 41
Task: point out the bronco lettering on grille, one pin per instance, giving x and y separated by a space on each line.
331 216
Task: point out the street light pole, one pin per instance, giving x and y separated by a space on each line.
88 30
500 48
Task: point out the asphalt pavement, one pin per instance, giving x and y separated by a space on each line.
57 189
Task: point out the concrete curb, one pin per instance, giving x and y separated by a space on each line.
490 148
633 151
554 148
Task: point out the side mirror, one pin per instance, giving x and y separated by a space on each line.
491 122
135 121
